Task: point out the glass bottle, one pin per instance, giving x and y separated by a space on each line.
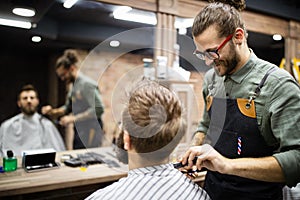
10 162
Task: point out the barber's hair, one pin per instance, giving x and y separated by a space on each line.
69 58
224 14
26 88
153 117
240 5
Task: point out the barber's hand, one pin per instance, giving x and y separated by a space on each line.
208 157
46 109
64 121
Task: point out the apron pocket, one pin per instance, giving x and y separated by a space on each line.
227 144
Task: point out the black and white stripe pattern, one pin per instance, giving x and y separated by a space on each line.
157 182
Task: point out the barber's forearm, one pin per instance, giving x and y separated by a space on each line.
198 139
56 112
83 116
263 169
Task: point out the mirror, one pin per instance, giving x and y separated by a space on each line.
84 27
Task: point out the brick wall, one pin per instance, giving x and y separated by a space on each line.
115 74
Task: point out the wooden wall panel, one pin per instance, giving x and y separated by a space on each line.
189 9
149 5
298 48
255 22
294 28
181 8
265 24
165 36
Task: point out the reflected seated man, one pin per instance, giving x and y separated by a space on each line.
29 130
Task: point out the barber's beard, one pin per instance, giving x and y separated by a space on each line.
71 79
228 65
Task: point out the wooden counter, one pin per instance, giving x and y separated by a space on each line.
62 182
65 182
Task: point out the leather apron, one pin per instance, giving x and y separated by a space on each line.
240 137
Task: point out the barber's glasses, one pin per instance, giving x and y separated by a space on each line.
212 54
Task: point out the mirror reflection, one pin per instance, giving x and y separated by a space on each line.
30 55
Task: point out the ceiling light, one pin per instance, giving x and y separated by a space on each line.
15 23
24 12
183 22
36 38
277 37
114 43
122 10
133 15
69 3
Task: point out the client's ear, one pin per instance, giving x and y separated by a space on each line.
126 139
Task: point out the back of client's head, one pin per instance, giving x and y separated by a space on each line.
153 118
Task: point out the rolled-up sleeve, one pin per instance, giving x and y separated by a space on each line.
205 120
284 111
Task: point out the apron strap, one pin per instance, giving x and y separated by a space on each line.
258 88
211 85
262 82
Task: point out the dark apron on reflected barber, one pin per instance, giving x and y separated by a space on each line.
87 133
240 137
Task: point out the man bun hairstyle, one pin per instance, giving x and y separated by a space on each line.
240 5
70 57
223 14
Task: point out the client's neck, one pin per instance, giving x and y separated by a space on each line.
138 161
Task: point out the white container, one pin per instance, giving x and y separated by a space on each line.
162 68
148 68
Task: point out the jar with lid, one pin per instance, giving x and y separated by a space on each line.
10 162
